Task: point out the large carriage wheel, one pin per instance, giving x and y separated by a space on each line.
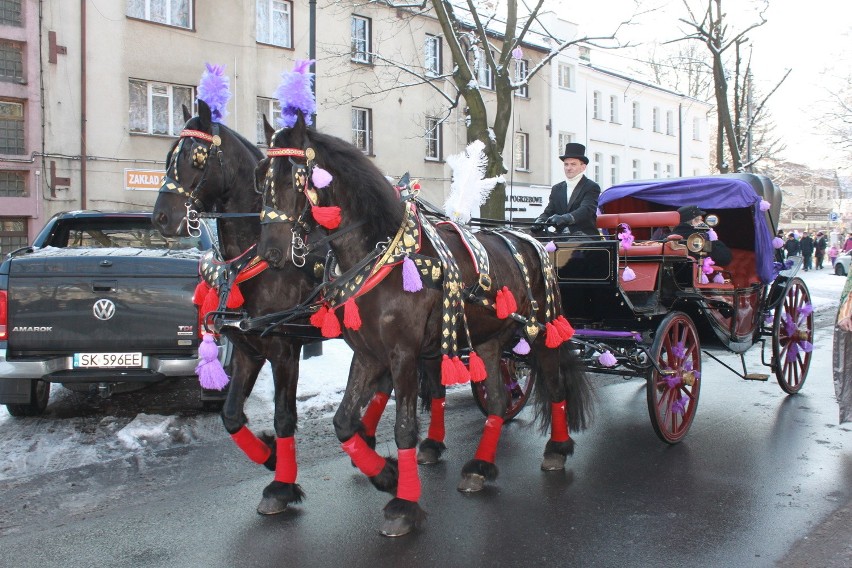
518 378
673 394
792 337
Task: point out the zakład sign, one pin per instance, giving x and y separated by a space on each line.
143 180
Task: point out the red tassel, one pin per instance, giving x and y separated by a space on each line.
566 330
328 217
509 298
462 374
351 316
211 301
235 298
330 326
477 368
318 317
552 338
200 293
500 305
448 371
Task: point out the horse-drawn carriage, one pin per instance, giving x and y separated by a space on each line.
649 309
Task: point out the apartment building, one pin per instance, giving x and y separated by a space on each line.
92 96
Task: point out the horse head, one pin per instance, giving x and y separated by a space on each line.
202 166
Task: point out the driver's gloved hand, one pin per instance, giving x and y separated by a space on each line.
561 221
538 225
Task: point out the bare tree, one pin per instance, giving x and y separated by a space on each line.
737 112
836 121
479 35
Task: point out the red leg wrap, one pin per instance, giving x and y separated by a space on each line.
490 436
374 412
254 448
285 460
436 423
365 458
408 486
558 422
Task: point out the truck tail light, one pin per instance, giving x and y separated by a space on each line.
4 313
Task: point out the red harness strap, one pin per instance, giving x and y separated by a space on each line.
196 134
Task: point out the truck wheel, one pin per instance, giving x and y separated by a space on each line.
39 395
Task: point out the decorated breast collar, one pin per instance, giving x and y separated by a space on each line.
215 271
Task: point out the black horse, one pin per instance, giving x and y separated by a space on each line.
392 328
211 168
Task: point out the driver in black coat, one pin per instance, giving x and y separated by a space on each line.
692 221
573 202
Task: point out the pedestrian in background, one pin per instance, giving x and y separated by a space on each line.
848 244
779 252
842 361
806 244
791 246
832 255
820 245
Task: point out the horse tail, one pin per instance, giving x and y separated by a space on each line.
572 382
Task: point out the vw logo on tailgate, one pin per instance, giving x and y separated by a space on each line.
103 309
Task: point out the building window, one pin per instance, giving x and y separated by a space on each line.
596 105
670 123
433 138
13 234
566 76
564 138
696 128
432 56
157 108
361 39
484 76
613 109
10 12
275 22
11 127
656 170
176 13
669 170
11 62
271 108
521 67
613 170
656 119
637 123
522 151
362 129
597 159
637 169
12 184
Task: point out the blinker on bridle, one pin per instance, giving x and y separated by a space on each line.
200 158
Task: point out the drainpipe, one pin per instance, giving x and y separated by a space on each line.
83 149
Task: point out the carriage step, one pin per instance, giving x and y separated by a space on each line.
756 377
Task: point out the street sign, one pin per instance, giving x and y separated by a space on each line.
833 216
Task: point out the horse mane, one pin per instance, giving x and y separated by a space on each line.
358 186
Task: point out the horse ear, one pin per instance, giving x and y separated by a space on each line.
204 114
187 114
268 130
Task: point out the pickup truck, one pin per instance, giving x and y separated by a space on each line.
97 300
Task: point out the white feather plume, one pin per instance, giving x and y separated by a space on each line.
469 189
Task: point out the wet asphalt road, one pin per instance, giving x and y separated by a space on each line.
750 486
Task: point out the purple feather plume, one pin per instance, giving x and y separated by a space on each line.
215 90
295 94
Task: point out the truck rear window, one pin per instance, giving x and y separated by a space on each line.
126 236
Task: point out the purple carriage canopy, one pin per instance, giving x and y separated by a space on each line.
710 193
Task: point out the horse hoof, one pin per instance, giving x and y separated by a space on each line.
471 483
428 456
553 462
271 506
400 526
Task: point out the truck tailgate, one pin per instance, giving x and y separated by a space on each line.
65 304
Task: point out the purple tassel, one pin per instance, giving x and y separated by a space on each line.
711 235
522 347
679 406
777 242
718 278
550 246
210 373
764 205
320 178
517 53
628 274
411 281
607 359
703 279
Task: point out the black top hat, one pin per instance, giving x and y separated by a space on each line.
689 212
575 150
